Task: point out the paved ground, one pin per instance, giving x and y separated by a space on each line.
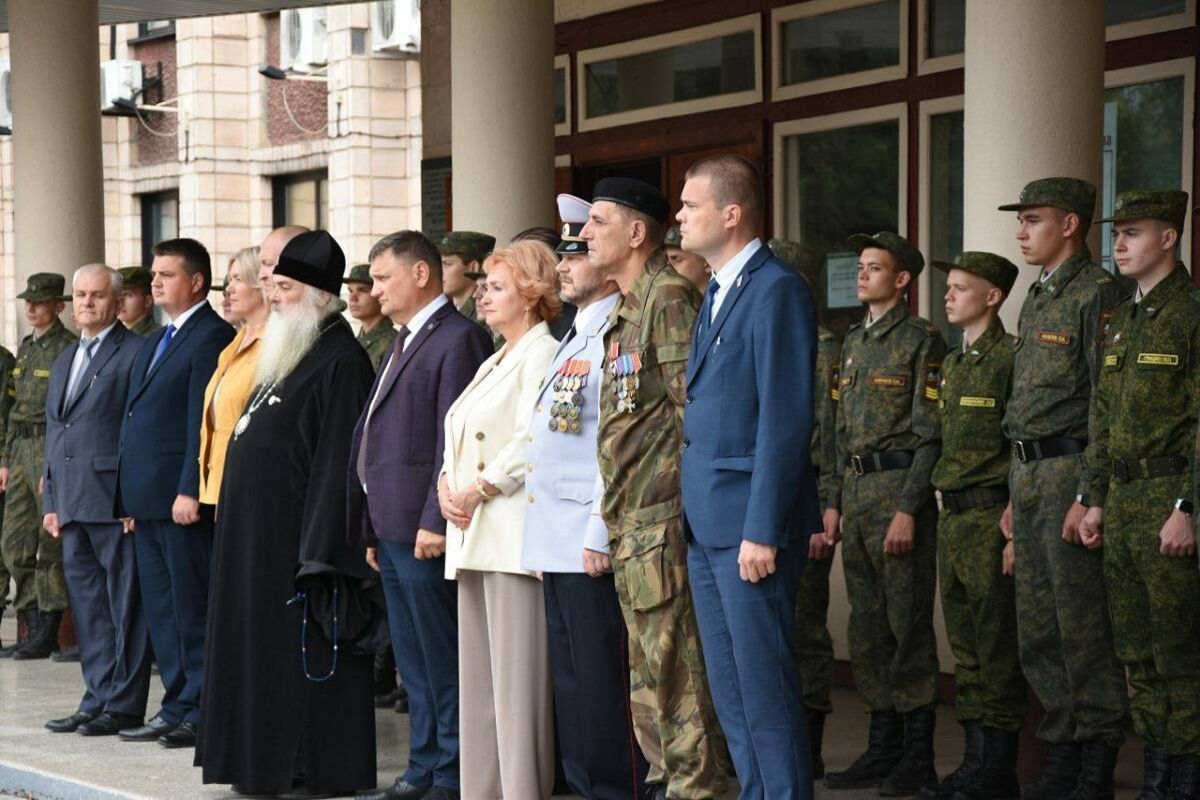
38 764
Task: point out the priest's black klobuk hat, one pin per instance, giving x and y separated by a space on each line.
313 258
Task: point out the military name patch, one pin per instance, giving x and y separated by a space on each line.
1158 359
41 373
977 402
1112 360
1052 337
890 381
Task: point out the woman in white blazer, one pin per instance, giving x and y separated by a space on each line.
506 734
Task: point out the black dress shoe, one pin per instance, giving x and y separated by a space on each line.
443 793
69 724
150 732
400 790
66 656
184 735
110 723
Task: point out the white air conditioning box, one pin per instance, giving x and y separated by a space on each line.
396 27
302 39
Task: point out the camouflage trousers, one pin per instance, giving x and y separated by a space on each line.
32 556
814 645
1063 630
1155 605
893 652
673 714
980 610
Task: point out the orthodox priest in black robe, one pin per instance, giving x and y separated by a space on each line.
282 711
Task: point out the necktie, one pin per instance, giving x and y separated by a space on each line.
392 366
707 306
163 344
88 346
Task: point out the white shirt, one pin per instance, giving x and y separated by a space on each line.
78 363
728 274
182 319
586 315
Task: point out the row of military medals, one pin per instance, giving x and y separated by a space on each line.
568 395
624 371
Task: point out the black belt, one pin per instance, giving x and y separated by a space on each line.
878 462
1125 470
968 499
27 430
1034 449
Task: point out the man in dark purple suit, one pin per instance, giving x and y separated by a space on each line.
394 468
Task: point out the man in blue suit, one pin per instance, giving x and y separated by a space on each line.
158 479
85 403
392 502
749 495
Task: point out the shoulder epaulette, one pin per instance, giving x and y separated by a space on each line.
924 324
1103 279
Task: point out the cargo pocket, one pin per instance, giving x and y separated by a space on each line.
647 567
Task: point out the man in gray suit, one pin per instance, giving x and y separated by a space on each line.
84 407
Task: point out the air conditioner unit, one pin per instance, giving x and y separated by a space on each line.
302 39
120 79
5 93
396 27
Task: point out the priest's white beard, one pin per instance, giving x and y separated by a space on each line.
289 335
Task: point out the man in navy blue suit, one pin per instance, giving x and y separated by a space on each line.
749 495
158 478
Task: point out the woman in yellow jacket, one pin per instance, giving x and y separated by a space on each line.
233 380
506 734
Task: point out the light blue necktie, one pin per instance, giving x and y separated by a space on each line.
163 344
88 346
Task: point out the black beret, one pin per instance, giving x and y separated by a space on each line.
638 195
313 258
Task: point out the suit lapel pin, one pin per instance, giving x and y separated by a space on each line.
738 282
272 400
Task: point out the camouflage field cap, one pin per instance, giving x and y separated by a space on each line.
1169 206
996 270
1069 194
471 245
43 287
674 237
135 278
359 273
909 257
803 259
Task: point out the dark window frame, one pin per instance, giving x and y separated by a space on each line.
148 34
153 200
279 184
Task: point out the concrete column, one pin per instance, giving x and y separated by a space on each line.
58 178
1033 108
502 115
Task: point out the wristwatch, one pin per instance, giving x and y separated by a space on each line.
1184 505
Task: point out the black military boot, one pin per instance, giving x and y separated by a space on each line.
915 770
885 741
972 761
1156 774
816 737
1185 778
46 640
1097 761
1059 775
32 620
996 778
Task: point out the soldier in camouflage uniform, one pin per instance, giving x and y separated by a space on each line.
640 439
137 306
7 394
463 253
688 265
1062 615
887 444
814 645
971 479
32 556
1143 430
377 334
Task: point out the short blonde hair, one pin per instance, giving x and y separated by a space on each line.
245 263
533 267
